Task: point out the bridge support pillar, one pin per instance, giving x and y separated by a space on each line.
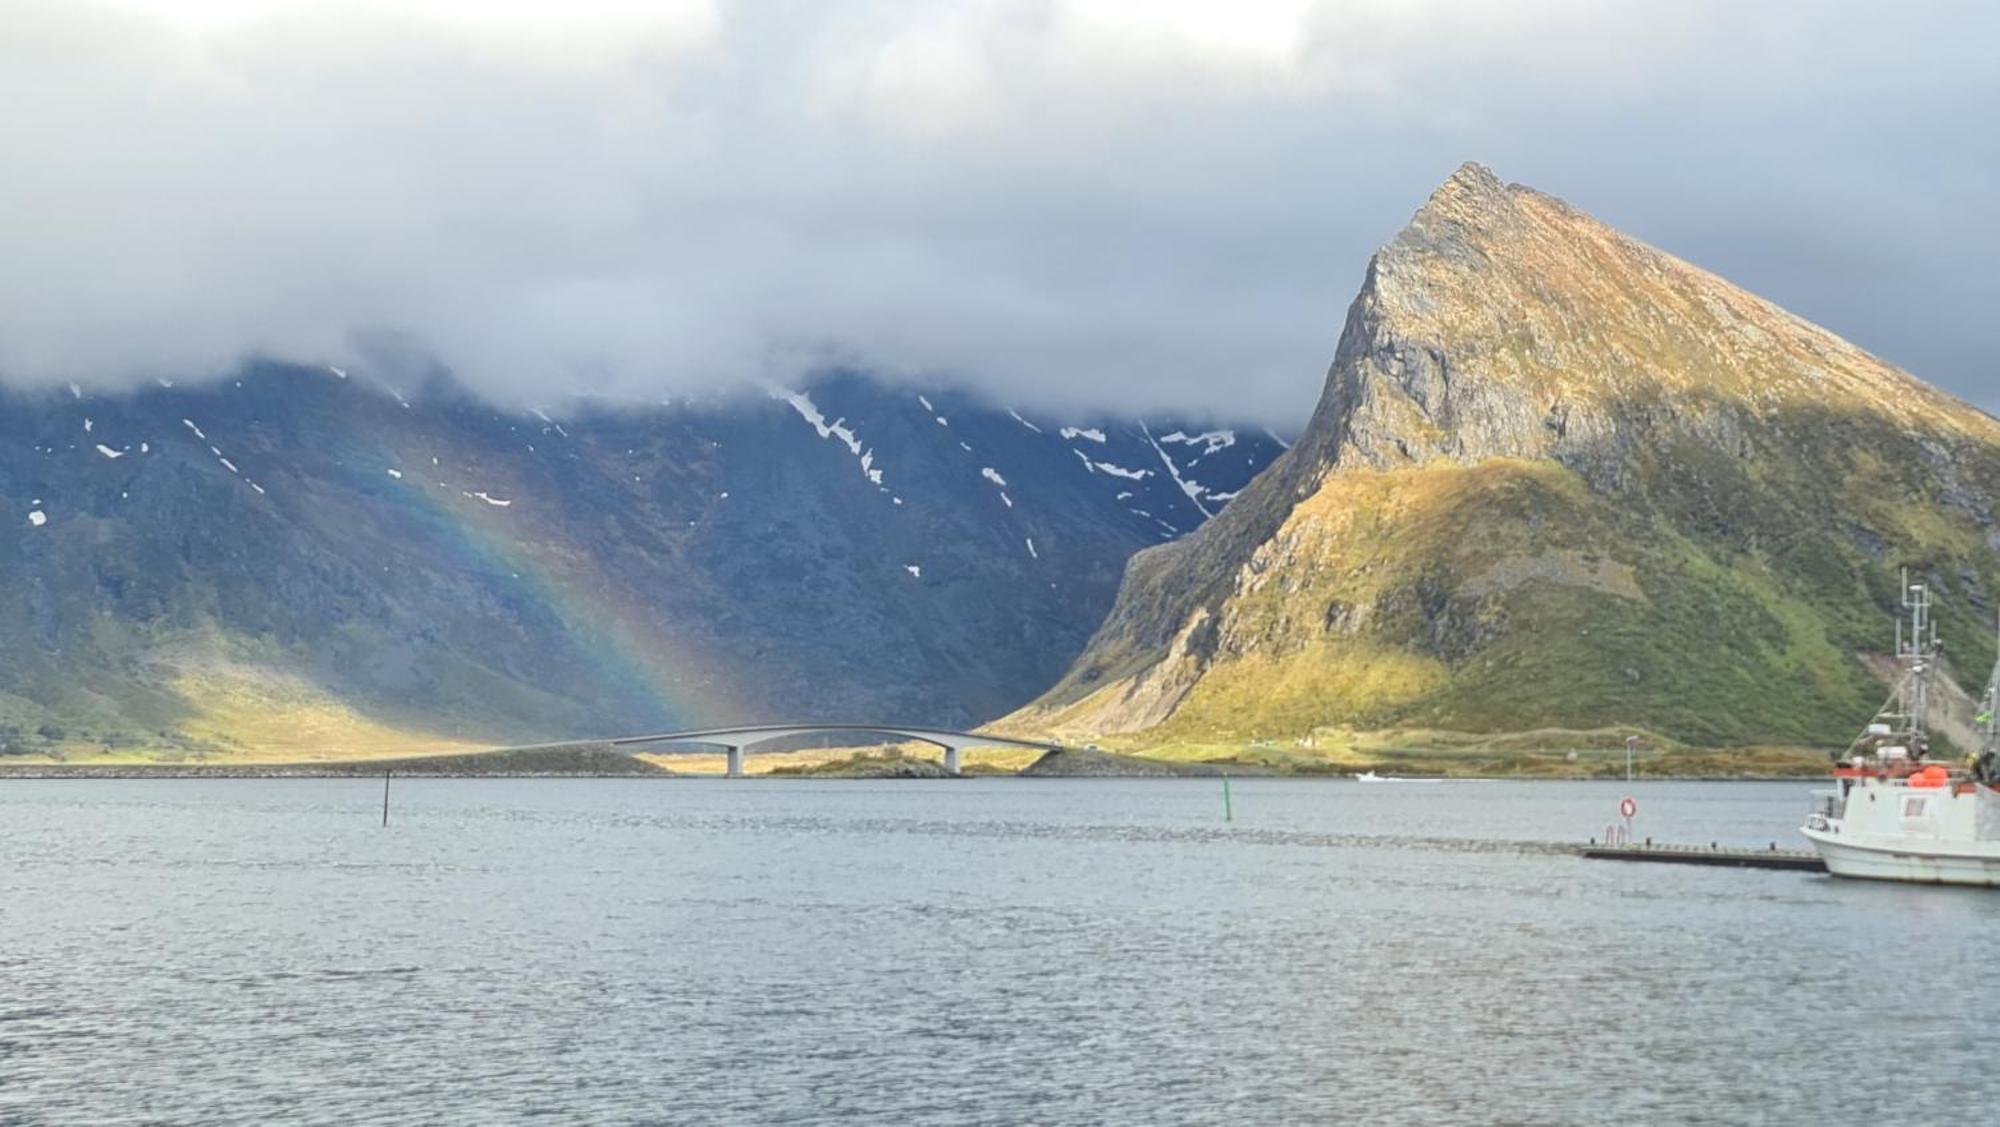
735 762
951 761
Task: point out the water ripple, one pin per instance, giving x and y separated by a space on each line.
1084 952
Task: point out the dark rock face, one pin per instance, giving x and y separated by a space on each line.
866 766
186 564
1087 763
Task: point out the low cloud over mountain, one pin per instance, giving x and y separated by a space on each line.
1074 204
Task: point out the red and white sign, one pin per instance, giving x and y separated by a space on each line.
1628 806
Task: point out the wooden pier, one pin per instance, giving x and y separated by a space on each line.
1800 860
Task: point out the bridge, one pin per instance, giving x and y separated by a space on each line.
734 741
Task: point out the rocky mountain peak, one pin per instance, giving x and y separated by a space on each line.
1503 322
1471 187
1547 460
1471 198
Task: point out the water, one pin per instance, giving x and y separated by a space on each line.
984 951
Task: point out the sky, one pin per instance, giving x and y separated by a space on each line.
1067 204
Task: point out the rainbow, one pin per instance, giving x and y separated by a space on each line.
500 535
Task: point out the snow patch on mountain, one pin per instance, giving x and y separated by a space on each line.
1121 471
1091 433
542 415
1209 441
1190 488
837 430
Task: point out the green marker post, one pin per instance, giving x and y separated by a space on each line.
1228 812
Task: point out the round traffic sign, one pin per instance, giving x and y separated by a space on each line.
1628 806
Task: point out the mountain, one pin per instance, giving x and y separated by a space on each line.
299 561
1559 478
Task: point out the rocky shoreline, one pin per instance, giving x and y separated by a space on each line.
602 761
566 761
1089 763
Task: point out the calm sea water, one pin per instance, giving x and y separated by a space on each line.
983 951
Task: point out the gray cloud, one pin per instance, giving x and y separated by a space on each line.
1070 203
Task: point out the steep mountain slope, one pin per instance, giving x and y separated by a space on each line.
296 561
1560 478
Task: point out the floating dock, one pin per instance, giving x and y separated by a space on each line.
1800 860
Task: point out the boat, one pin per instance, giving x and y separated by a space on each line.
1896 814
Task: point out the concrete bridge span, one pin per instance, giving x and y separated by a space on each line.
735 741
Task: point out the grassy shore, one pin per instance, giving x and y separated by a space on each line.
1548 754
836 761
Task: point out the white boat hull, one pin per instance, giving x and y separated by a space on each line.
1853 857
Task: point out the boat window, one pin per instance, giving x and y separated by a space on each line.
1913 808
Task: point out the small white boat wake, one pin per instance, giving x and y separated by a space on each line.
1372 777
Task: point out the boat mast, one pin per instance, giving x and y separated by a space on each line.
1916 652
1988 763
